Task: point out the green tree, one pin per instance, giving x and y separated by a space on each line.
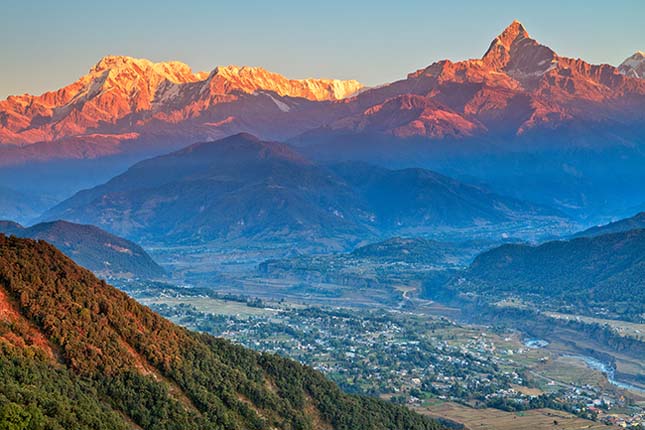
15 417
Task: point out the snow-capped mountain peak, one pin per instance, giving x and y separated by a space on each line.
515 52
634 66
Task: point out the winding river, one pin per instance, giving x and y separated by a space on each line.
593 363
608 370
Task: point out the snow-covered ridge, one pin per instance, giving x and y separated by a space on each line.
241 78
121 86
634 66
251 79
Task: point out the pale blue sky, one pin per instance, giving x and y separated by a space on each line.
48 44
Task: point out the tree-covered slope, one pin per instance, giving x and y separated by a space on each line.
605 273
78 353
415 250
93 248
632 223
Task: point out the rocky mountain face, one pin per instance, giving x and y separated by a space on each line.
517 86
242 187
77 353
634 66
97 250
123 98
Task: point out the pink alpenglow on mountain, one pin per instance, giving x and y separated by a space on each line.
122 95
518 86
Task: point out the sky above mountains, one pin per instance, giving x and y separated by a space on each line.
372 41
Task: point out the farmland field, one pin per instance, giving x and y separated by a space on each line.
493 419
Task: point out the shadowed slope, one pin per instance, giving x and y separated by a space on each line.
89 246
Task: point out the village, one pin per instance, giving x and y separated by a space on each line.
416 360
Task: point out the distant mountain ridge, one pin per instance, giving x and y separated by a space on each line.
633 223
21 206
91 247
517 86
235 187
415 198
244 188
123 97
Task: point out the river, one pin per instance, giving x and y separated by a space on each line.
608 370
593 363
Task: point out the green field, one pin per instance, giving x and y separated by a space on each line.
213 306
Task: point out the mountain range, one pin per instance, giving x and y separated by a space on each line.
76 352
97 250
242 187
517 86
123 100
521 120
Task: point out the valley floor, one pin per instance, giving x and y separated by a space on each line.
379 338
460 372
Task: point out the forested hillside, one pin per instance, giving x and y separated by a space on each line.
78 353
602 274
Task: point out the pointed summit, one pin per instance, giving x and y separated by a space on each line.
512 32
634 66
118 61
514 52
499 51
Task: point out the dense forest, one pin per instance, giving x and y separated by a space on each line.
78 353
601 275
